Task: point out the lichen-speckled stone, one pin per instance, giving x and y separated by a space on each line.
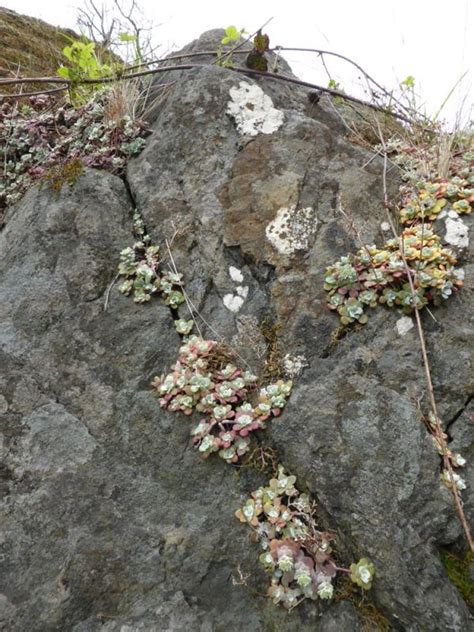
109 519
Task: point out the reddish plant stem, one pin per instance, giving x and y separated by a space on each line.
426 365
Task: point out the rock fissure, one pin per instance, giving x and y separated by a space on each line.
457 415
350 437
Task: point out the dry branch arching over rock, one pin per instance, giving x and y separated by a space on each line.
116 522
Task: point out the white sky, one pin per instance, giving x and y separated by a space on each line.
428 39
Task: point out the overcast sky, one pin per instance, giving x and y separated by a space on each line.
432 40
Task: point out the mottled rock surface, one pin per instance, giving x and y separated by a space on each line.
109 519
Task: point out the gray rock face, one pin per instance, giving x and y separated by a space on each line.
110 521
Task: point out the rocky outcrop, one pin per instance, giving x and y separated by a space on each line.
110 521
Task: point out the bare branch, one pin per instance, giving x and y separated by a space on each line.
245 71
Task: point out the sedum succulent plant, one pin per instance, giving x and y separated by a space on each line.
375 276
223 396
296 554
362 573
382 278
139 265
44 138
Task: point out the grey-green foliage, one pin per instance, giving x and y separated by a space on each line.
139 265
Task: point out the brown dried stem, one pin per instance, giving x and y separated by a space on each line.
245 71
426 365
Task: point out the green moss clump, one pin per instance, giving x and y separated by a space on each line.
458 570
64 173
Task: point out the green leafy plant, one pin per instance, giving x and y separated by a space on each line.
296 554
334 85
82 65
408 82
232 37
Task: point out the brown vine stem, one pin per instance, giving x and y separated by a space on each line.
421 336
245 71
370 79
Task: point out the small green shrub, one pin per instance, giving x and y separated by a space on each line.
82 63
232 37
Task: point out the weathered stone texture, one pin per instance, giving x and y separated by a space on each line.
110 521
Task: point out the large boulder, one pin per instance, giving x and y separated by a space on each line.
110 521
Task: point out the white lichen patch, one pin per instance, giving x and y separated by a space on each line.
233 302
253 110
235 274
457 233
293 365
292 229
242 290
404 324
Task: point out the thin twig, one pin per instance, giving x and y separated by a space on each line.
163 60
186 298
34 94
350 61
421 336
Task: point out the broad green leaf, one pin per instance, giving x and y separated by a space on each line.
127 37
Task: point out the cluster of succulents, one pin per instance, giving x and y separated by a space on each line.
41 134
425 194
139 264
222 395
378 276
427 199
375 276
296 553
